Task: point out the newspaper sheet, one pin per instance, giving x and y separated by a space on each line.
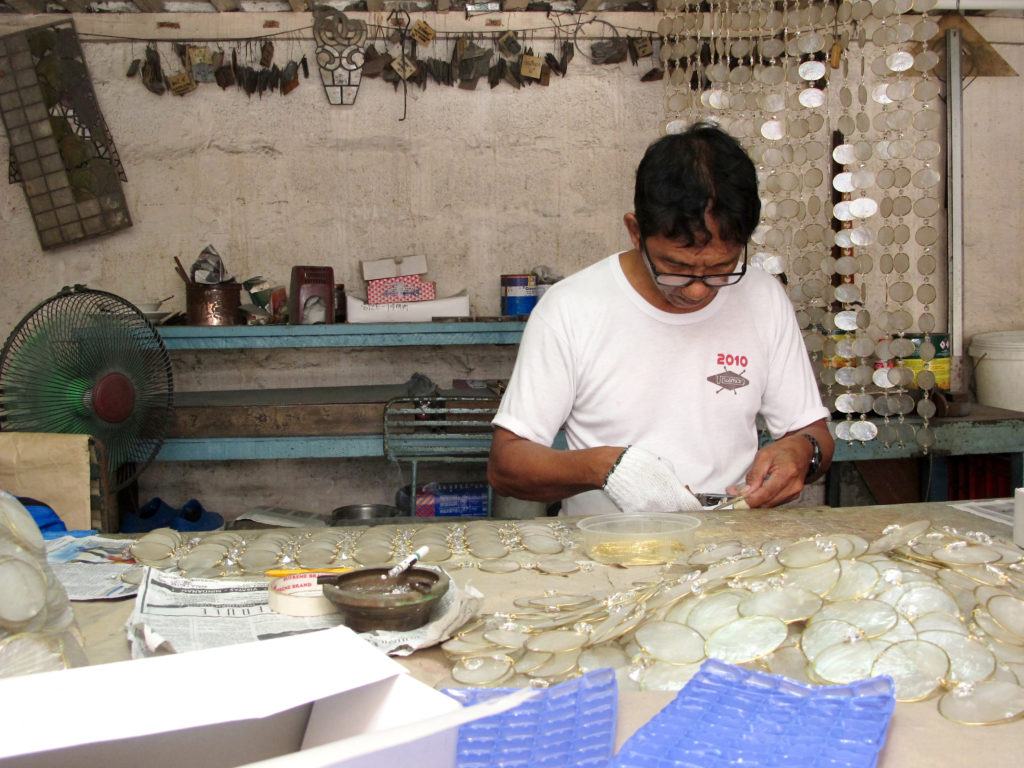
174 613
94 567
996 510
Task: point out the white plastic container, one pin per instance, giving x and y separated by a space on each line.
999 368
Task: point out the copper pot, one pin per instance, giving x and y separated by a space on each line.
212 304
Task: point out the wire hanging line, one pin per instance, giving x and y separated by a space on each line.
552 27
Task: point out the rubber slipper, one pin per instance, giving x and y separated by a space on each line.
192 517
155 513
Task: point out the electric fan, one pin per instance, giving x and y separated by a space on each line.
89 362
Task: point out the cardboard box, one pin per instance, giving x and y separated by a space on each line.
359 311
451 500
381 268
391 290
53 469
317 699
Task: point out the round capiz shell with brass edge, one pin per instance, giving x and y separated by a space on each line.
847 662
985 703
662 676
559 666
506 638
820 579
556 641
531 660
897 535
557 566
670 642
715 611
916 667
788 604
993 628
848 544
155 552
966 555
1008 612
498 566
926 598
969 660
872 617
746 639
856 579
482 670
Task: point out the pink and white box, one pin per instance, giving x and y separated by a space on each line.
393 290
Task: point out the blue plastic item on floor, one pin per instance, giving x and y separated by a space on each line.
48 521
571 724
729 716
155 513
192 517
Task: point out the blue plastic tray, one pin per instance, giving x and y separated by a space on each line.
729 716
568 725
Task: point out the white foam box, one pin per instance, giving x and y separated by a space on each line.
358 311
381 268
312 700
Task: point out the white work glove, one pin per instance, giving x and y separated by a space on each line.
643 482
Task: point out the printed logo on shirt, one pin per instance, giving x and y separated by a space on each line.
728 379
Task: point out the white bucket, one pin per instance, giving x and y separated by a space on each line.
999 368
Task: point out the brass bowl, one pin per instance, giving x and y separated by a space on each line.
367 601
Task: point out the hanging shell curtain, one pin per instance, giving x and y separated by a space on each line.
840 107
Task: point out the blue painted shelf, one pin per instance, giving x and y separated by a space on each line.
987 430
986 433
186 337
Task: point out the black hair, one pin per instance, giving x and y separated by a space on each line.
685 176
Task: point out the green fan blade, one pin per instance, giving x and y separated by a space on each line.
55 362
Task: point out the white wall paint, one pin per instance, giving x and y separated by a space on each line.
994 187
482 183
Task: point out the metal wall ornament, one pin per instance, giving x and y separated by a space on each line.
340 44
837 105
60 147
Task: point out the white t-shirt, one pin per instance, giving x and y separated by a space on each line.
597 360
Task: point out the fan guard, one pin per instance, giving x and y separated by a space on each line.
89 362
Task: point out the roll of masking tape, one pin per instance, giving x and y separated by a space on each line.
300 594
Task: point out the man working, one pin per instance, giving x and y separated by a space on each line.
657 361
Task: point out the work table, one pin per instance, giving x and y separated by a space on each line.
918 735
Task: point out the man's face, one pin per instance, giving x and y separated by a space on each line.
667 260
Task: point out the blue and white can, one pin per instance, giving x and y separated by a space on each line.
518 294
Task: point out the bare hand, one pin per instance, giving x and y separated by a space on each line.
778 472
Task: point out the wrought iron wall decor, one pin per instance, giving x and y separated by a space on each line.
339 53
60 148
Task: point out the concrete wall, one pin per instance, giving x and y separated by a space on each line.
481 182
994 187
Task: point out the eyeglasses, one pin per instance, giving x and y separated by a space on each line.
675 280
